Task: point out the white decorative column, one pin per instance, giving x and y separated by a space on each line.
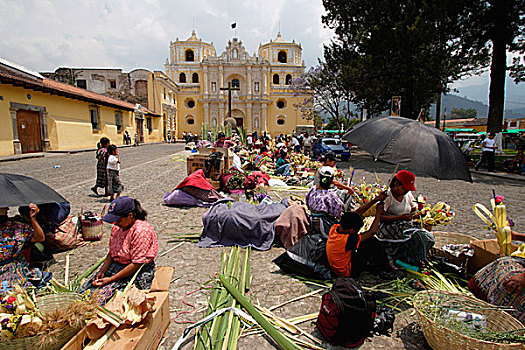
264 118
206 83
249 117
17 146
249 79
221 77
207 114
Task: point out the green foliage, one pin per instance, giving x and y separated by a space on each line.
346 124
412 49
520 142
465 113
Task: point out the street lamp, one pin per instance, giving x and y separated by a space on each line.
229 89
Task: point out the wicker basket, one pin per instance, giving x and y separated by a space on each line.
46 304
443 338
443 238
92 230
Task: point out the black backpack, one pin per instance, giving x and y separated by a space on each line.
347 314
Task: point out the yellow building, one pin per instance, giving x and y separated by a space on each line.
39 114
265 100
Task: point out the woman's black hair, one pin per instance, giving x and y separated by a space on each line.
221 134
263 149
139 213
104 141
328 156
283 153
395 181
325 181
111 149
350 220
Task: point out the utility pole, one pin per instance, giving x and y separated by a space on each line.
438 110
229 89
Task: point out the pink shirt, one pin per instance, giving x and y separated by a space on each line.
137 245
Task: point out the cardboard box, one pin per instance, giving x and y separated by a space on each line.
148 334
196 162
209 150
485 252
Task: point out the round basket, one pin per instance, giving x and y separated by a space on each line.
61 336
440 337
92 230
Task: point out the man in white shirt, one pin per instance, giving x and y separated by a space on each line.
488 150
249 141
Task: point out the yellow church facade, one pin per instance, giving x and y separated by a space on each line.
264 101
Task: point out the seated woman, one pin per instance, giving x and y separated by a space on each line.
132 246
221 141
282 166
403 240
325 206
502 282
14 238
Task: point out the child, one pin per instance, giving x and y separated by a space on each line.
114 185
349 251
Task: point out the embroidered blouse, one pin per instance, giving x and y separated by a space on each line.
137 245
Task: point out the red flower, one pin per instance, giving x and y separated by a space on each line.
11 299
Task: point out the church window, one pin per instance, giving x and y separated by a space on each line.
236 83
235 53
81 83
281 120
182 78
276 79
281 57
288 80
190 103
213 86
195 78
112 84
189 56
190 120
256 86
281 104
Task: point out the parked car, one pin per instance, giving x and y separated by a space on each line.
342 152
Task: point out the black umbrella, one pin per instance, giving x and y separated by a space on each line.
19 190
412 144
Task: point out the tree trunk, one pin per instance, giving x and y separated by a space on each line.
438 110
498 68
407 106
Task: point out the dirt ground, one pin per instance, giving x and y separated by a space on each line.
150 171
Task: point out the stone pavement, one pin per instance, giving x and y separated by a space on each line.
148 172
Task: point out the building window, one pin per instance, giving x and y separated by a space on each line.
189 56
256 86
190 103
213 86
281 104
164 93
281 120
276 79
281 57
195 78
236 83
190 120
149 125
288 80
93 111
182 78
112 84
118 120
81 83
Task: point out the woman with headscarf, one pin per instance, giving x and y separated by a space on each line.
102 163
14 238
402 239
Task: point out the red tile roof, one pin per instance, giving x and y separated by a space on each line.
17 78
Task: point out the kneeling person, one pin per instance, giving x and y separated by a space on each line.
346 248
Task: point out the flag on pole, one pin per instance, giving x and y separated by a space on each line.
234 25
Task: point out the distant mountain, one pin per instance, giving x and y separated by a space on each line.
450 101
514 94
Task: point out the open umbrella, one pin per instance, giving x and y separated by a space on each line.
412 144
20 190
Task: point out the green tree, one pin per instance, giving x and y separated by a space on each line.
465 113
320 91
409 48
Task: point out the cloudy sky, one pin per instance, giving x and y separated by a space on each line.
128 34
44 34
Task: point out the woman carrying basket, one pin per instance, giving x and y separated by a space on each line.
133 245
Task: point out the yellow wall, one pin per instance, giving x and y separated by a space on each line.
68 121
